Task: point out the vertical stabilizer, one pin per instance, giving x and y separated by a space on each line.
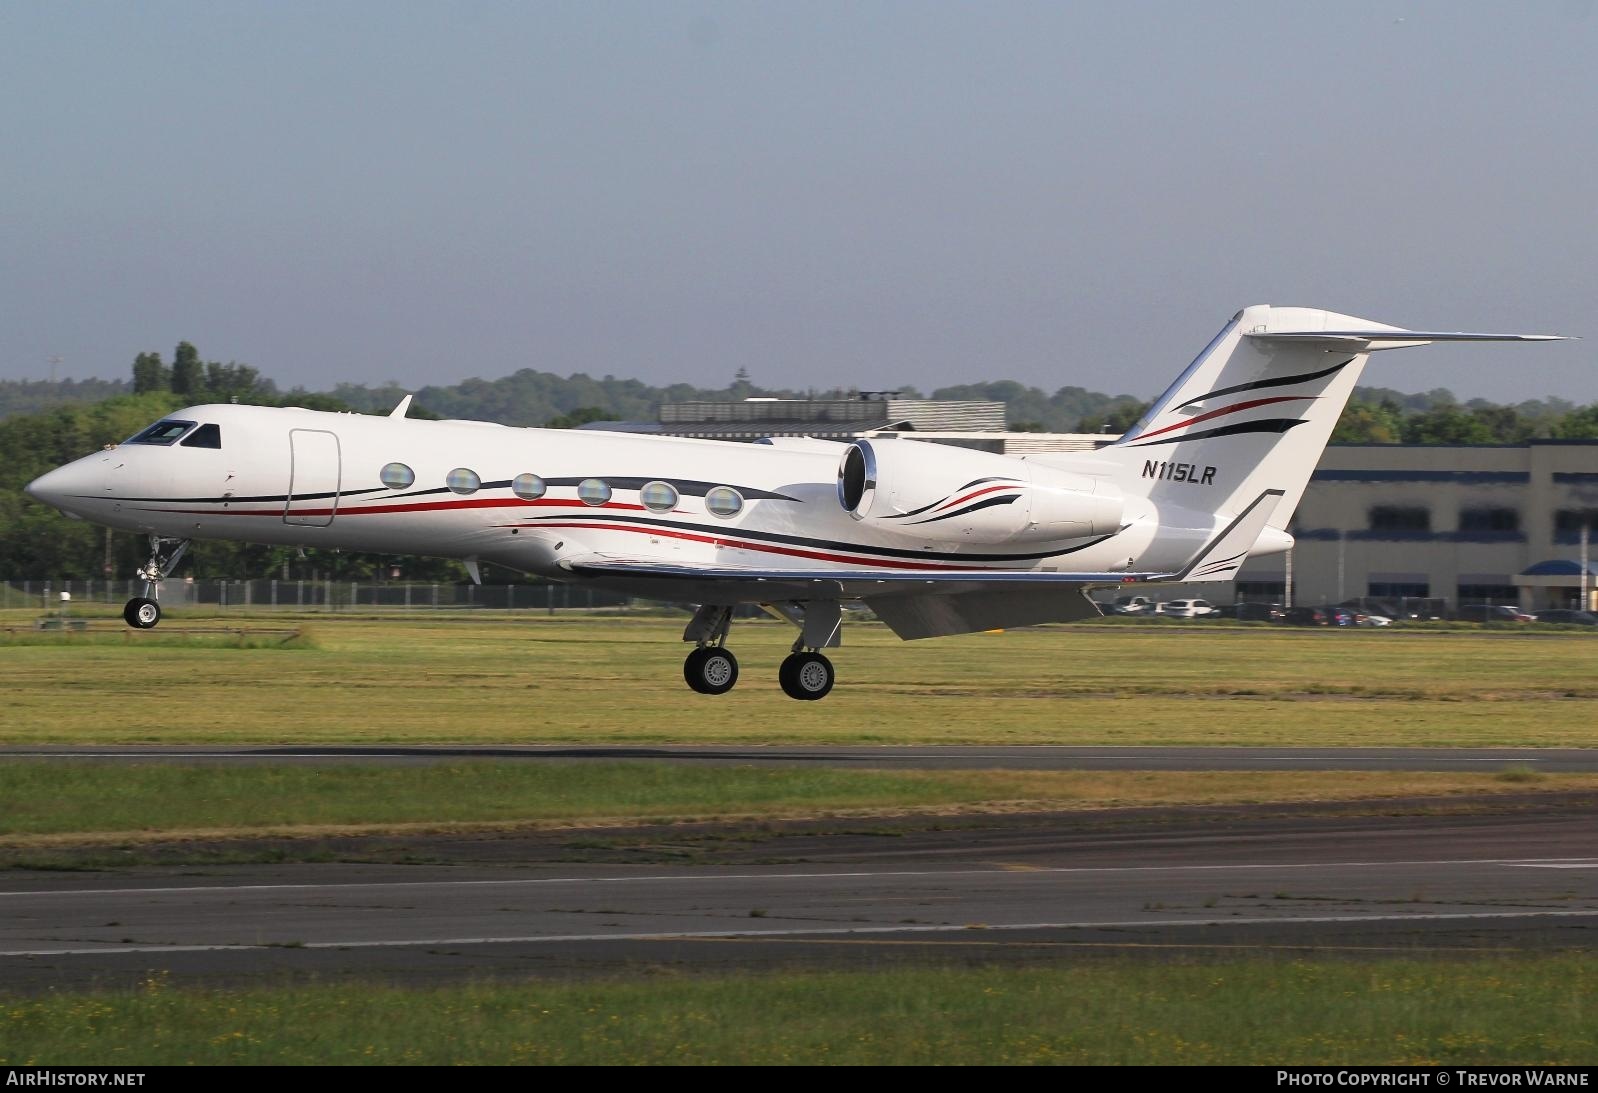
1252 414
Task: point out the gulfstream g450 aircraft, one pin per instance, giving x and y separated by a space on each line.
935 539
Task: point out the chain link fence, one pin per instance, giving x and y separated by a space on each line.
324 595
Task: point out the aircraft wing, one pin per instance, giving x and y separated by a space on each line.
914 603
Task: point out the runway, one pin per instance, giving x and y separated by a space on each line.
1190 883
935 757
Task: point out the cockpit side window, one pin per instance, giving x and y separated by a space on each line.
206 436
162 432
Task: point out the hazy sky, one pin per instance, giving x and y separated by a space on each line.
862 194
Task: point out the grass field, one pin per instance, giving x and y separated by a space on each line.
534 678
53 803
1249 1011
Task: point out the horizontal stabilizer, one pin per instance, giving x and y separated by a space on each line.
1391 337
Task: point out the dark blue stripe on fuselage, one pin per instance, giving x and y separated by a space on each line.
1260 385
1270 425
985 503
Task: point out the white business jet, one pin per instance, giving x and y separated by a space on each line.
935 539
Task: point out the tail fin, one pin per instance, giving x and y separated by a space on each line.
1252 414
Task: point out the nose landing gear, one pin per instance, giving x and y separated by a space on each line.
143 612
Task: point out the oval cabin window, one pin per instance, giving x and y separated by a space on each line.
658 497
529 487
397 476
724 501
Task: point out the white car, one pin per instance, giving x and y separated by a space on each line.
1188 609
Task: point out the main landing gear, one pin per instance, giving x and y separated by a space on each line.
143 612
805 674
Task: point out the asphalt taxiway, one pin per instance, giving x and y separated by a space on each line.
1507 874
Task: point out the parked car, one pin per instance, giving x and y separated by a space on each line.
1569 618
1189 609
1397 607
1131 605
1257 612
1488 612
1307 616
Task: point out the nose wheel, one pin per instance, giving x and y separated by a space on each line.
806 676
141 613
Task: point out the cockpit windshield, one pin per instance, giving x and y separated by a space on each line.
162 432
206 436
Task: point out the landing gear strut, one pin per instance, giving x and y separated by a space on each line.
143 612
710 669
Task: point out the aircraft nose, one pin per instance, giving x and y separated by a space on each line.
60 487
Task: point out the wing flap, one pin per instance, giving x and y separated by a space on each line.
939 615
1224 555
747 584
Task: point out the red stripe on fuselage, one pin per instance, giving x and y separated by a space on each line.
764 548
418 506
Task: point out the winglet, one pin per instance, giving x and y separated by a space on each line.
399 411
1225 554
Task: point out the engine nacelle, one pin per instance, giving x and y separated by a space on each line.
950 494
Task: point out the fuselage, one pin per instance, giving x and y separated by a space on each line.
530 499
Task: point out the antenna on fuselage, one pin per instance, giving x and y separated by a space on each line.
399 411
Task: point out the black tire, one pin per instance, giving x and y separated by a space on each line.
806 676
141 613
711 670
